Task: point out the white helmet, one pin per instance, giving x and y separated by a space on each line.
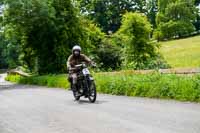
76 48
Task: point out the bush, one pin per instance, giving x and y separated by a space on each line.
135 33
109 56
157 62
174 29
155 85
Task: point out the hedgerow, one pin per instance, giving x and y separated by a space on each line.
155 85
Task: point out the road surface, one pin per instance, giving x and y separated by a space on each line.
32 109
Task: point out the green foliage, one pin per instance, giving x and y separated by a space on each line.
156 62
162 4
108 13
9 53
184 88
135 34
175 19
47 30
174 29
108 55
103 49
46 80
152 9
180 10
92 34
3 62
39 35
197 22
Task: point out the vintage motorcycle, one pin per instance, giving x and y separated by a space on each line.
85 85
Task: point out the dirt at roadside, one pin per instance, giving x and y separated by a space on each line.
187 71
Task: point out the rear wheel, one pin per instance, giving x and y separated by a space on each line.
92 92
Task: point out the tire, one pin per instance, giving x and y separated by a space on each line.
75 96
92 92
75 93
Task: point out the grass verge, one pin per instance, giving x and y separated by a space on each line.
184 88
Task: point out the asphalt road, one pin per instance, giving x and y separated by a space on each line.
32 109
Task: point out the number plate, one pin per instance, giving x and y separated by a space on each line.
86 71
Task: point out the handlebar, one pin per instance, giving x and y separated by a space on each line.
82 65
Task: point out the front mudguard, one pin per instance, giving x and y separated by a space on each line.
91 78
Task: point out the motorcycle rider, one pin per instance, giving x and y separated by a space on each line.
75 59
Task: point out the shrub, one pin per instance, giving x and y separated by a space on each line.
109 56
174 29
135 33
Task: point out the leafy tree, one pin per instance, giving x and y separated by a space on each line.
101 48
9 54
162 4
9 47
12 47
152 9
108 13
3 62
47 31
135 33
175 19
197 22
92 34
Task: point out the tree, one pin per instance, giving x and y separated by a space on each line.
92 34
175 19
47 30
108 13
9 47
162 4
3 62
135 33
197 22
152 9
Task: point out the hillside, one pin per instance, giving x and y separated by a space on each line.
182 53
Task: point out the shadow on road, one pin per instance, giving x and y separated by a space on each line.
7 87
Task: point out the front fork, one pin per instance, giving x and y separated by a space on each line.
87 83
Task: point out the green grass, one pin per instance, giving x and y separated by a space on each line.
184 88
59 81
182 53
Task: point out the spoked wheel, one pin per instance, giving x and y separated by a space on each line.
92 92
76 93
76 96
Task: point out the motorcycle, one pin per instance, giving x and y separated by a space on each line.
85 85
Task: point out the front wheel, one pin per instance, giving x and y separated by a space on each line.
92 92
76 96
75 93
